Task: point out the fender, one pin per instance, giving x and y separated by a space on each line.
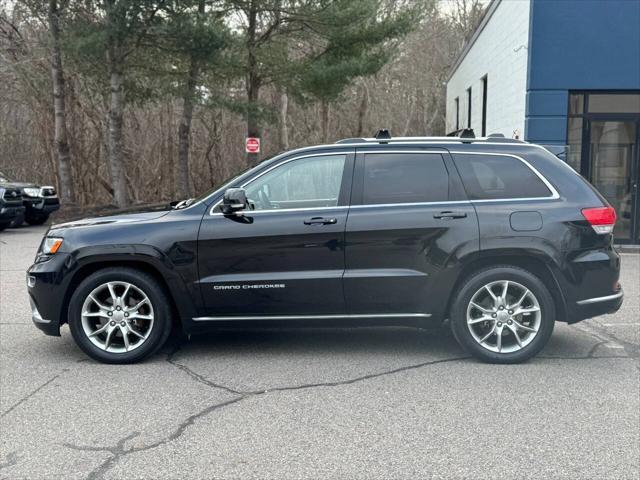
167 268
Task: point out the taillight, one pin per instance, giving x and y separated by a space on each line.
602 219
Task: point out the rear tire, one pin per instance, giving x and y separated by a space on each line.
492 325
4 225
119 315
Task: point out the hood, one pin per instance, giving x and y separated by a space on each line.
111 219
19 185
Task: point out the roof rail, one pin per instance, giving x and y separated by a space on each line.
462 133
352 140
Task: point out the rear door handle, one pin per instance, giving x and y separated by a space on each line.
449 215
320 221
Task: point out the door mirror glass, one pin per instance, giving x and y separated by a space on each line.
234 200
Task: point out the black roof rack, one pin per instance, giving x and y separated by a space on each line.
462 133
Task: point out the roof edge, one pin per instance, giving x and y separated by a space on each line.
485 19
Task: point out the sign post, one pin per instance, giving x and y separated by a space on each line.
252 145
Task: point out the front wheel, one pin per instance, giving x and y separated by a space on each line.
119 315
503 315
36 219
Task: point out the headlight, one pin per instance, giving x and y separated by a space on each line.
51 245
32 192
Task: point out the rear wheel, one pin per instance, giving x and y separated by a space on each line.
503 315
119 315
4 225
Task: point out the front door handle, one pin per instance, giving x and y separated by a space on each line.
320 221
449 215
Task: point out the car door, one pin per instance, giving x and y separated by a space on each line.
408 226
285 256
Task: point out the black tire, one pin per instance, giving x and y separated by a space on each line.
17 221
153 290
36 219
4 225
470 287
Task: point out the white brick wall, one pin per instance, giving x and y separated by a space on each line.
494 54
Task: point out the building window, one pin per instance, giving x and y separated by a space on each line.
457 102
484 106
469 107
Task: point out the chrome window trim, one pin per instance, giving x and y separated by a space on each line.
554 193
279 164
589 301
311 317
351 146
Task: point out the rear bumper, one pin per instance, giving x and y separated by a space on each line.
592 307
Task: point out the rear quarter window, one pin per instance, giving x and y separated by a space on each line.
493 177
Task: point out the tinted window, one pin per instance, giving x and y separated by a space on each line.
404 178
304 183
492 177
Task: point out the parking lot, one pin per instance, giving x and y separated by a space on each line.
317 403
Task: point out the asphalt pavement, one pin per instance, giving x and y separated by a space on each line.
317 403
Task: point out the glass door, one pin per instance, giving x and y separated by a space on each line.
613 170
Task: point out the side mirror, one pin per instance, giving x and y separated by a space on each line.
234 200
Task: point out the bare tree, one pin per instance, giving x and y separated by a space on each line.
61 138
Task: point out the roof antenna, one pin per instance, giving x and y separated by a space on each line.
383 134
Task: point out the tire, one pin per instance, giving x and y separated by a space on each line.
17 222
152 320
36 219
475 326
4 225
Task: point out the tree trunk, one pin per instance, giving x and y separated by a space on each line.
61 143
362 111
284 129
116 113
324 120
253 81
184 130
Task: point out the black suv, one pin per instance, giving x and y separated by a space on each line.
39 202
498 236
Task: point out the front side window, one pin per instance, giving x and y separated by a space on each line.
490 177
310 182
404 178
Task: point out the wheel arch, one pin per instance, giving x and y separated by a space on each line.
536 264
140 264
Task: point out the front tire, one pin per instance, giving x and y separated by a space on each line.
36 219
119 315
503 314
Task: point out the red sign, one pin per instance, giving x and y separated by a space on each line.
252 145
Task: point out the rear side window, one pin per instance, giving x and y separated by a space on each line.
404 178
490 177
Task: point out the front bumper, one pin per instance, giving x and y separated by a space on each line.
595 306
9 213
41 206
48 284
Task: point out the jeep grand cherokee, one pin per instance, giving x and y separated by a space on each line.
497 236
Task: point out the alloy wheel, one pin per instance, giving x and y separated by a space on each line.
117 317
504 316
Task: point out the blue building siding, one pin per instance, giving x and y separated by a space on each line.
577 45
